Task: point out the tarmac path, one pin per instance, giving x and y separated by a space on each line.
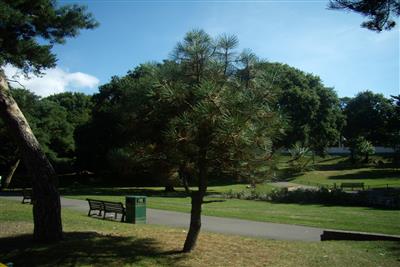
212 224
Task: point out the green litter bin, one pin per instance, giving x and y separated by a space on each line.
135 209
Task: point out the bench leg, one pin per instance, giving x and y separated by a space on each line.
123 217
89 212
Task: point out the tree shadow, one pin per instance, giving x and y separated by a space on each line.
213 201
113 191
288 175
330 159
347 164
369 174
342 165
86 248
394 248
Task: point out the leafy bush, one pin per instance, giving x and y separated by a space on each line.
247 195
300 158
323 195
361 147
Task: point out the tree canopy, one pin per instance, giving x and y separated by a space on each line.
28 30
312 111
380 13
369 115
24 21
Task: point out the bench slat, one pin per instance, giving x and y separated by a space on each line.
352 185
106 206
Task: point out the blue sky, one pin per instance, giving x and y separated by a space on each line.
303 34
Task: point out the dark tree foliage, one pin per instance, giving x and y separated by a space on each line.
314 119
28 30
380 13
121 118
78 106
369 115
394 128
53 121
24 21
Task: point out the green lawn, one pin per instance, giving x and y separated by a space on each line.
95 242
333 217
337 169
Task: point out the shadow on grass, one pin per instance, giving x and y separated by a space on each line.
213 201
334 159
113 191
394 249
342 165
347 164
369 174
86 248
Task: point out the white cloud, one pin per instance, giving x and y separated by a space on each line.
52 81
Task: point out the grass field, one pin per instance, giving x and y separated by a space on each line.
95 242
337 169
333 217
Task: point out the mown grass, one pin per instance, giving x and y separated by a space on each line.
332 217
95 242
338 169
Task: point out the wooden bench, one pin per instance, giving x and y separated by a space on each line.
26 196
114 207
95 205
105 207
352 185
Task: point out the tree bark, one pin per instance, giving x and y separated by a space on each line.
366 157
184 177
7 181
169 188
197 201
45 195
195 222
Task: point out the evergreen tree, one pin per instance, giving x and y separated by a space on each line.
23 23
380 13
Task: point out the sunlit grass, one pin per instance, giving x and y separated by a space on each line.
332 217
96 242
337 169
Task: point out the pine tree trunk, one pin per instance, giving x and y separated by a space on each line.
195 222
197 201
169 188
46 198
10 175
366 158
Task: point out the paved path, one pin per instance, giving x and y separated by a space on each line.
215 224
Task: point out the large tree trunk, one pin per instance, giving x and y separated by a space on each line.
46 198
10 175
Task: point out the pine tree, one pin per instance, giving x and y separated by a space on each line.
22 23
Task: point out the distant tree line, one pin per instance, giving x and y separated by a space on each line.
53 120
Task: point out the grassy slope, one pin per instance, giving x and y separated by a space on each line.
338 170
94 242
